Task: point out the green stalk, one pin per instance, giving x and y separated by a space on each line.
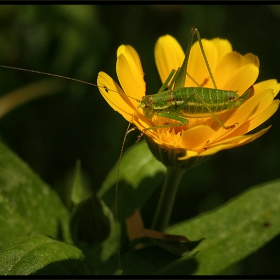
169 190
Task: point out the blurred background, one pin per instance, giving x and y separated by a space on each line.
51 133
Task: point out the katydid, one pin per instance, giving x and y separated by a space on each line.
180 102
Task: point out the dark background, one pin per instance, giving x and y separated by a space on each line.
51 133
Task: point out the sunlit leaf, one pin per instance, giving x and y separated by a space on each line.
236 229
27 204
28 254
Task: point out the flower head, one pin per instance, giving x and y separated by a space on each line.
200 136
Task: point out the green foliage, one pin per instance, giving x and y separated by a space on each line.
28 254
29 206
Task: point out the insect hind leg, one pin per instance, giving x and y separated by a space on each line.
227 127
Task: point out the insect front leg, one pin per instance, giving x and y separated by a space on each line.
182 121
165 84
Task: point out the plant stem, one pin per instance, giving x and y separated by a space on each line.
169 190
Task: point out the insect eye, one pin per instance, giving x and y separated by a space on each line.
146 105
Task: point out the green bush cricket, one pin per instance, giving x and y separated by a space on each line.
177 102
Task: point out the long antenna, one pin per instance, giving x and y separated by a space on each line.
49 74
66 78
128 130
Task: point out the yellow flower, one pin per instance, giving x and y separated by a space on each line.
201 136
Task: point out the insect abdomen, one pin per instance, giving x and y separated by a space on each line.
199 102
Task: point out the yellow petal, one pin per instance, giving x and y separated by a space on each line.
196 137
250 58
246 112
215 149
233 142
251 137
115 96
256 121
130 73
130 52
253 106
223 47
227 68
263 116
243 79
257 103
168 55
268 84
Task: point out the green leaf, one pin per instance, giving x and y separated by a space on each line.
140 174
27 204
28 254
234 230
90 222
